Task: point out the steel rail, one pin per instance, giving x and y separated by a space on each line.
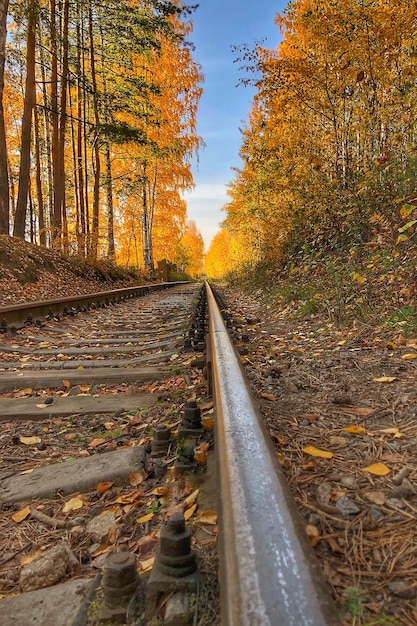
269 575
19 314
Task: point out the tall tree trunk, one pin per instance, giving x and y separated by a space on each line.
63 124
146 223
96 150
111 250
29 103
82 237
39 194
4 170
56 212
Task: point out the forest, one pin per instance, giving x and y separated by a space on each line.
98 104
329 151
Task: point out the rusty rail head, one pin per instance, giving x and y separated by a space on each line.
19 314
269 575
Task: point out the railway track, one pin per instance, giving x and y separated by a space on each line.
92 384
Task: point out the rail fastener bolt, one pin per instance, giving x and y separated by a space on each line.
161 441
120 580
175 567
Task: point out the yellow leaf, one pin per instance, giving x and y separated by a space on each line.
190 512
401 239
25 560
385 379
80 367
358 278
355 429
30 441
408 357
208 518
28 471
66 384
19 516
84 388
41 406
379 469
322 454
73 505
191 499
145 518
393 431
146 565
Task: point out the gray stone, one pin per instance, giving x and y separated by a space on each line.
177 610
347 507
323 493
100 526
395 503
73 476
54 606
405 490
349 483
46 570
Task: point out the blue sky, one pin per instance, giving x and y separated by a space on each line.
224 106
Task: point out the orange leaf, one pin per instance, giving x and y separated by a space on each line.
207 518
135 478
379 469
103 487
66 384
73 505
316 452
96 442
19 516
354 429
268 396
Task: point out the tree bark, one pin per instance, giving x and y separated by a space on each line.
29 103
4 170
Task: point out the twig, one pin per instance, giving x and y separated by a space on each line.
11 556
45 519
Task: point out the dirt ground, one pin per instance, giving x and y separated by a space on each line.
340 406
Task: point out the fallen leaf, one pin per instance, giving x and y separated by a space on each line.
103 487
354 429
200 452
379 469
66 384
408 357
268 396
190 512
377 497
96 442
73 505
207 518
25 560
316 452
385 379
392 431
19 516
80 367
362 411
130 498
28 471
145 518
146 565
41 406
313 534
30 441
135 478
191 499
312 417
102 549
